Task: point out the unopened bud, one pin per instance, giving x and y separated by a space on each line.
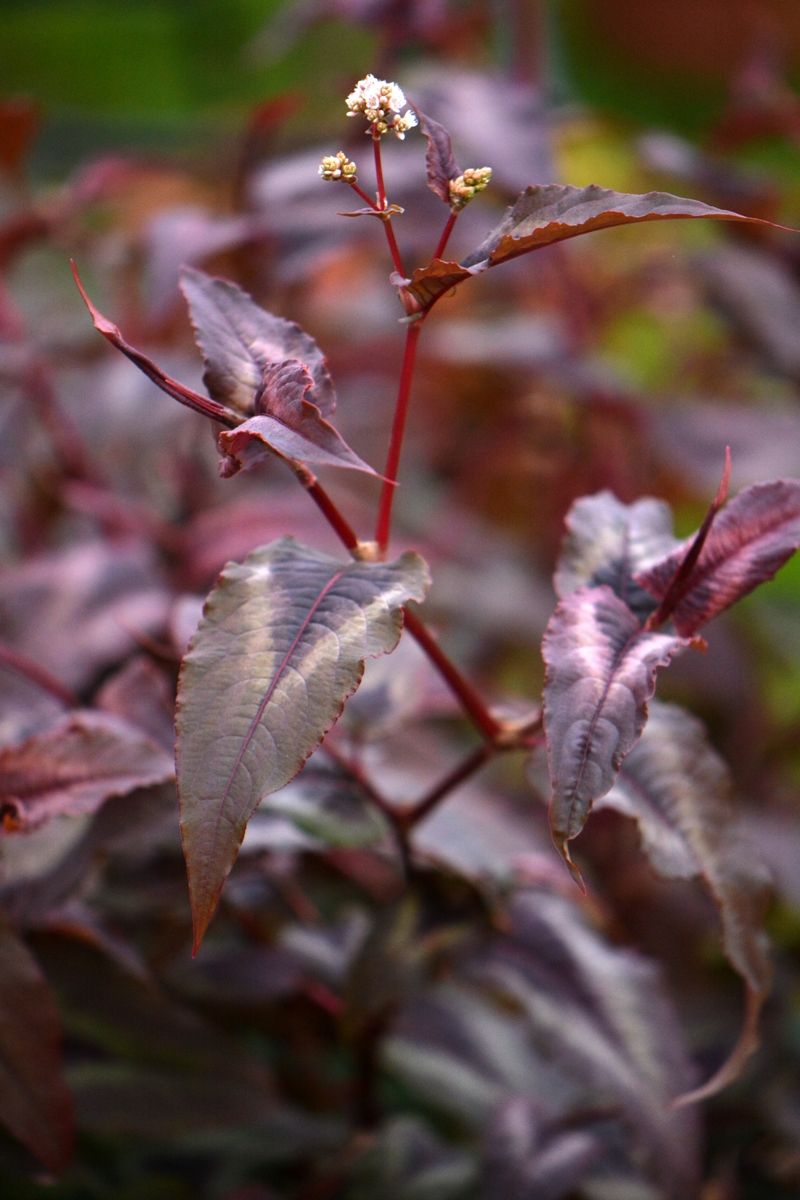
338 167
465 187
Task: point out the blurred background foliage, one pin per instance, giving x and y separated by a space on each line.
697 96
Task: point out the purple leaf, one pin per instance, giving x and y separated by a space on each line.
75 766
35 1105
601 669
440 163
748 542
526 1157
178 391
678 791
287 423
607 542
281 646
239 340
551 213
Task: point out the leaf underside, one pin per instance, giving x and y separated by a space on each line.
239 339
440 163
280 647
750 539
288 423
551 213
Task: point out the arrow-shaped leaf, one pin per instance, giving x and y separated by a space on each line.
551 213
239 339
287 423
601 668
280 647
750 539
678 791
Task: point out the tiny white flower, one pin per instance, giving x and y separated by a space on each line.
381 103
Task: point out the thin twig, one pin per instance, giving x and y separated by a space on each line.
412 816
464 692
42 678
445 238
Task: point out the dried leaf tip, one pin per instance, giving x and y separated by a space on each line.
382 103
466 186
338 167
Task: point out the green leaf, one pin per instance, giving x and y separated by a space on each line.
280 647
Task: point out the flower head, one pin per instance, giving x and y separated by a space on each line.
381 102
338 167
465 187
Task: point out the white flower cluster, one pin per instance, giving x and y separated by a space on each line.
338 166
381 102
466 186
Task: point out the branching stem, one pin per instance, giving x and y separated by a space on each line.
38 675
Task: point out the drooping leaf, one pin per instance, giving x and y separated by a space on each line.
35 1105
600 673
173 388
751 538
677 789
551 213
280 647
607 542
75 766
440 163
239 339
287 423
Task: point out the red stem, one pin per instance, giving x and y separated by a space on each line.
360 192
464 692
469 699
384 523
445 238
38 675
468 767
341 527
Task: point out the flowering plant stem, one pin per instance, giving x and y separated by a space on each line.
383 527
445 238
394 249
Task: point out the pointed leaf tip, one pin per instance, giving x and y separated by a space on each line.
600 673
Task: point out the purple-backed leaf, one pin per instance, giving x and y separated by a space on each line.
525 1156
35 1105
440 163
287 423
678 790
280 647
75 766
607 542
140 694
239 339
551 213
600 673
751 538
178 391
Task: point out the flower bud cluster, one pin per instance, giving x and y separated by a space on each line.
338 167
381 102
465 187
